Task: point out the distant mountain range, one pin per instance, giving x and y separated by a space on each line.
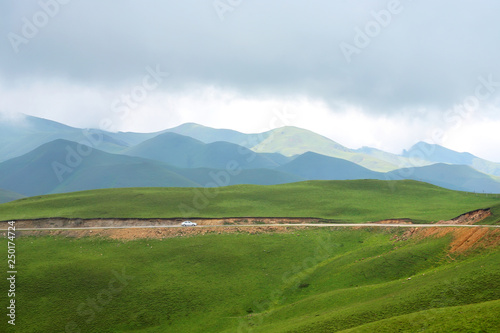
39 156
57 167
186 152
6 196
313 166
438 154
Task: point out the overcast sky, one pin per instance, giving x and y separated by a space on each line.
384 74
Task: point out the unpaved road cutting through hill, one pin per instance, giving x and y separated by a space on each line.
466 235
50 224
379 225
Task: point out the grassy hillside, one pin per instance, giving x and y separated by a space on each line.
303 281
350 201
472 318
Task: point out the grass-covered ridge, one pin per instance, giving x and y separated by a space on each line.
350 201
314 280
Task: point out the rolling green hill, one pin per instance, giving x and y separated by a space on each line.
349 201
309 280
185 152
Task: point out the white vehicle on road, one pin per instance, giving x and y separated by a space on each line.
188 224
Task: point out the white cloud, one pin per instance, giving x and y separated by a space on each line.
479 136
217 108
71 104
293 48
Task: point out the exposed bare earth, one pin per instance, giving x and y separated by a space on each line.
160 233
131 228
464 239
93 223
469 218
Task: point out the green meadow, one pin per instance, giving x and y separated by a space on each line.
305 280
348 201
302 280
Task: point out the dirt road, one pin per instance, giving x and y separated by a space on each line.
375 225
466 235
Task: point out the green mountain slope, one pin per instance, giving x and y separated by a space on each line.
348 200
478 317
186 152
373 288
291 141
